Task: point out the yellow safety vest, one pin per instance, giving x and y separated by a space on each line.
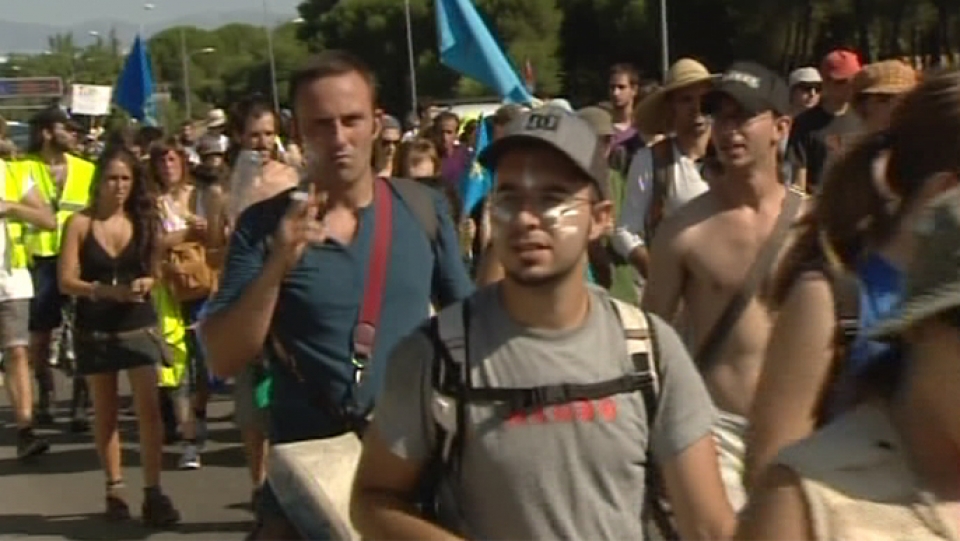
12 192
75 196
174 333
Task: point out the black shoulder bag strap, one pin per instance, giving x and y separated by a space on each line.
710 350
662 157
419 200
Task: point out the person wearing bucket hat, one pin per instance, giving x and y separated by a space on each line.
895 454
542 325
823 132
747 206
665 176
932 281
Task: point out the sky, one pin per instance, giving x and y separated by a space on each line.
70 12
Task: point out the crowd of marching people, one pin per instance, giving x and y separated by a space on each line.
721 306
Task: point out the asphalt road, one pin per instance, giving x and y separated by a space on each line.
60 495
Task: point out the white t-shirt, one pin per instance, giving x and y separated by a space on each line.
687 183
14 283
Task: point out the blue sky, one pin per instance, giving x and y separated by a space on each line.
69 12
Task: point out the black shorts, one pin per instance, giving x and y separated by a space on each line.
46 306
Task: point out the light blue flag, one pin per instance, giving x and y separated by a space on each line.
477 181
467 46
134 88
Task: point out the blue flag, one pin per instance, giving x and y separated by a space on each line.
467 46
134 88
477 181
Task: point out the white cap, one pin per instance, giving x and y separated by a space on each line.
805 75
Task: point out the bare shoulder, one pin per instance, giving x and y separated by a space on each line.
680 228
78 223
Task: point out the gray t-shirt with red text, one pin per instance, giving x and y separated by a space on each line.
571 472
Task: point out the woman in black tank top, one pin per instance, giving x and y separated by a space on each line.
108 258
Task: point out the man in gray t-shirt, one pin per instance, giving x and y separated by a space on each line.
570 471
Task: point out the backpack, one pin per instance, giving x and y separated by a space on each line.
845 288
452 390
664 158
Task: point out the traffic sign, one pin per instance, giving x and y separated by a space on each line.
31 87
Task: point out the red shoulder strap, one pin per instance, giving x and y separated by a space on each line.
365 333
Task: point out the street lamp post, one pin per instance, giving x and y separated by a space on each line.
664 36
410 57
146 7
185 59
273 61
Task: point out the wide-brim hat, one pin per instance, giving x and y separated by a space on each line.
933 277
652 116
889 77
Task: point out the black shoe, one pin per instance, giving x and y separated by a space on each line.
44 418
158 511
79 425
30 445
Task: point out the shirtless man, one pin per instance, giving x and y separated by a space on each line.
704 251
256 123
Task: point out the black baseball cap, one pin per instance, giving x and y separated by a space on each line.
754 87
559 130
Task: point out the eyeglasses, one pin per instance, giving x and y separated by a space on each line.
808 88
389 142
541 205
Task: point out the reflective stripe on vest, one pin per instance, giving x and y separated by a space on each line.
12 192
75 196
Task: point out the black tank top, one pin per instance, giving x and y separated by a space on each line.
96 265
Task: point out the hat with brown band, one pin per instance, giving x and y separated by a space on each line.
651 115
933 277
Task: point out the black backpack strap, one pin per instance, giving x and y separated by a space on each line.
420 201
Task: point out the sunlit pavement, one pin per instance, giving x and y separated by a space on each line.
60 495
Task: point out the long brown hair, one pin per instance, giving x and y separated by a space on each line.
859 209
140 206
160 149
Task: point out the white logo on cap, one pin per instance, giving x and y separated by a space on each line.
738 76
544 122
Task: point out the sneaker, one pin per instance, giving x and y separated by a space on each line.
30 445
158 511
190 458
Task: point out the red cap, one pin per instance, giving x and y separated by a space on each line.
840 64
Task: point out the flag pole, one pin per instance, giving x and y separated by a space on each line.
410 58
665 40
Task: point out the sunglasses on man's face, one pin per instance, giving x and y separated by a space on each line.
389 142
809 88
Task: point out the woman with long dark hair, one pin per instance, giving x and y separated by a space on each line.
860 230
887 469
109 258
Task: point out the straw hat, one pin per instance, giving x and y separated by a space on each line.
887 77
651 116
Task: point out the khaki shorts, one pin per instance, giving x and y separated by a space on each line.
14 323
728 432
245 411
